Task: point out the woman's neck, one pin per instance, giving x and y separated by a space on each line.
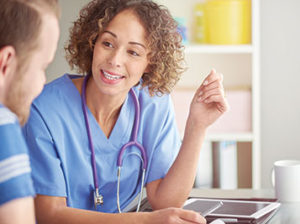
105 108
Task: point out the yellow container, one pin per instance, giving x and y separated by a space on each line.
228 21
199 23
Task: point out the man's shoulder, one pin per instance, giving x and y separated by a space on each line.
15 176
11 138
6 116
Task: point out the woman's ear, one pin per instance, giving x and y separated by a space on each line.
7 60
147 70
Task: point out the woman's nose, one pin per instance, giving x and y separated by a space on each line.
115 58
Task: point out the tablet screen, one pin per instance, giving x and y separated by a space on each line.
240 208
232 208
202 207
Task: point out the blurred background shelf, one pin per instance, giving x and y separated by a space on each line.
239 63
238 137
218 49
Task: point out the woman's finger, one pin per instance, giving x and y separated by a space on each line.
213 85
192 217
213 76
216 91
220 101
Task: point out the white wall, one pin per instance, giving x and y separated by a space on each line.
280 83
69 13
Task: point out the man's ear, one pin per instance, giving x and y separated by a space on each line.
7 60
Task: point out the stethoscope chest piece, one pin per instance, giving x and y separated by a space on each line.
98 198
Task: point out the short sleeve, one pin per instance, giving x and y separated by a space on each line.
47 171
15 171
166 142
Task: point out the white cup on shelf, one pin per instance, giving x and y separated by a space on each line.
286 179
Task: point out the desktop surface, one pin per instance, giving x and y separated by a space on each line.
288 213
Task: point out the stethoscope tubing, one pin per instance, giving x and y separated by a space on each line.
133 142
84 105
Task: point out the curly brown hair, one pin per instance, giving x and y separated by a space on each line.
166 57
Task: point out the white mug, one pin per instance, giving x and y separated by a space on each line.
287 180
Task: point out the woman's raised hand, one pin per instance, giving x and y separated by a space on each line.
209 101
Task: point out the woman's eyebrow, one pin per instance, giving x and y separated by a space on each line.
131 42
111 33
136 43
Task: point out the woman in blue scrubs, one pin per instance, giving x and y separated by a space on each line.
120 46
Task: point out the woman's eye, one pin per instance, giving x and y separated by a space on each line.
133 53
107 44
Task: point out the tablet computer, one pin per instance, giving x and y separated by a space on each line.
232 208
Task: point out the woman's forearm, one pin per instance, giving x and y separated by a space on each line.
173 190
17 211
207 106
69 215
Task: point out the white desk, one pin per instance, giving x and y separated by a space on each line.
288 213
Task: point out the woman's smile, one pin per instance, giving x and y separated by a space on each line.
111 78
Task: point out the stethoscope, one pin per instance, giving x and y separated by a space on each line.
98 198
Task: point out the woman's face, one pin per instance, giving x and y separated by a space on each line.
120 55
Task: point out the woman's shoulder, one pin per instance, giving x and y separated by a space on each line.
163 102
57 91
61 83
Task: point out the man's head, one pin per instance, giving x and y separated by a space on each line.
29 34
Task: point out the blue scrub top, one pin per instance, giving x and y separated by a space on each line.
15 178
61 157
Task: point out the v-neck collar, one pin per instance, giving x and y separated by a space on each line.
121 132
